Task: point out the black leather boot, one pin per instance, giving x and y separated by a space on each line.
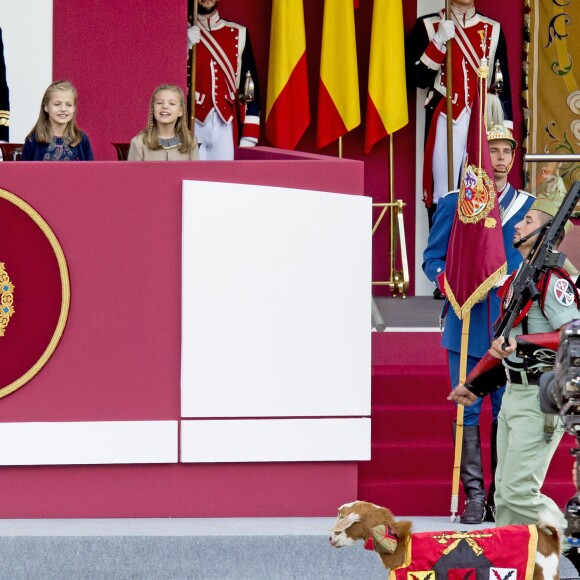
490 502
471 473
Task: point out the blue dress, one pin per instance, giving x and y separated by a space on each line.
57 150
514 204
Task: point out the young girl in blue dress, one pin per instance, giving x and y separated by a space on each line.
56 137
167 137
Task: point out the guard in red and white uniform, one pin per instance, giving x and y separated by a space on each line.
466 31
224 58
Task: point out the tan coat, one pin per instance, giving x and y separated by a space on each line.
138 151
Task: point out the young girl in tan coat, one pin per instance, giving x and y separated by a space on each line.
166 137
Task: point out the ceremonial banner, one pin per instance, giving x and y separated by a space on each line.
476 258
287 103
552 93
338 97
387 110
34 292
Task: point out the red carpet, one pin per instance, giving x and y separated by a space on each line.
412 449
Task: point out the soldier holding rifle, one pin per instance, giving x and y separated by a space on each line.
537 301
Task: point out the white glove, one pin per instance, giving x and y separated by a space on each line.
247 142
193 36
445 32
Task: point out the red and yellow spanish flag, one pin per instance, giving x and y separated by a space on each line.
387 97
287 103
476 258
338 98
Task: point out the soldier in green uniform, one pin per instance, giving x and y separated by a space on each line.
527 438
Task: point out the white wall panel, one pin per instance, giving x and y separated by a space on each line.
27 36
276 440
275 302
88 443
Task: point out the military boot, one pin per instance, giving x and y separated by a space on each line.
490 502
471 473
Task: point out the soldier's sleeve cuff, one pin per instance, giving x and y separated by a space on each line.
251 128
433 56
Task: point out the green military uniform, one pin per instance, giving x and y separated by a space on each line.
525 447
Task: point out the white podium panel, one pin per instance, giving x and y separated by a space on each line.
276 296
86 443
215 441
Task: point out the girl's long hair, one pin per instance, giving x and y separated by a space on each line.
150 137
42 131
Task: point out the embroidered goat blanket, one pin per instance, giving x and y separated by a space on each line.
495 553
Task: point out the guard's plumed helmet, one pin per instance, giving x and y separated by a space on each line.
497 132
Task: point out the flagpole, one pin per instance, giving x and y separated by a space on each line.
192 59
449 105
466 318
459 419
392 201
340 147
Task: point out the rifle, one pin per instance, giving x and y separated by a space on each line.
488 374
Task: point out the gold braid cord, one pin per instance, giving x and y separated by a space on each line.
65 284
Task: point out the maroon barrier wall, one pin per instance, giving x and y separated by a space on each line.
116 53
119 225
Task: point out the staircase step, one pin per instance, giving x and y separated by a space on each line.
421 422
417 423
403 384
428 497
407 461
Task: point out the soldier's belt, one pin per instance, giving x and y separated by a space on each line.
522 378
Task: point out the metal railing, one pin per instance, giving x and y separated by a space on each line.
398 281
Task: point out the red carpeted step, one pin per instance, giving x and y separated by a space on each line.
421 423
399 384
407 461
424 497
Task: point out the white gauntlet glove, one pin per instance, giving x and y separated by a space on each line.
247 142
445 32
193 36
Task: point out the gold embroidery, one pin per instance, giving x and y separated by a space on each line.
6 299
455 538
